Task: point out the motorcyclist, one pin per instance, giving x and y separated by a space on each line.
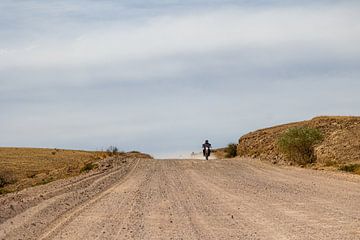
205 145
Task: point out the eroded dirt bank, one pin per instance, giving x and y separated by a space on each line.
188 199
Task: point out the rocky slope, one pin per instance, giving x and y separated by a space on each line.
341 143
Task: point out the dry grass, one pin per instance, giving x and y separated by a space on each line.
25 167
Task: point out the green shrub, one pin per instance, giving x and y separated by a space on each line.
134 152
2 182
6 177
354 168
88 166
47 180
231 150
3 191
297 144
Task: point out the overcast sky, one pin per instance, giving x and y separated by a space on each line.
161 76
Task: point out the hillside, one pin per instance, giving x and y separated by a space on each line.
25 167
341 143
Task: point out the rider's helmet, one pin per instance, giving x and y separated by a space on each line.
206 141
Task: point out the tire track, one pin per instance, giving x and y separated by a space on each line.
34 220
70 215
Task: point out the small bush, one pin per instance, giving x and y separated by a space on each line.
2 182
3 191
112 150
47 180
353 168
298 144
6 177
88 166
231 150
134 152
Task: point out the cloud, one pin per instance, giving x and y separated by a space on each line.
331 29
159 77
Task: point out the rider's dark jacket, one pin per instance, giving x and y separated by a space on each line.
206 145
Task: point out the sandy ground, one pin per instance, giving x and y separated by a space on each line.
188 199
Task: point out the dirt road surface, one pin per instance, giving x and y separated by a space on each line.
188 199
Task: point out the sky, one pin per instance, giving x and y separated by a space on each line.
161 76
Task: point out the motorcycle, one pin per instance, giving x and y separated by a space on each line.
207 153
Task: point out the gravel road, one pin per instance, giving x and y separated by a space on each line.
188 199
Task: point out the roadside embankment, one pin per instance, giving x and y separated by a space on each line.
26 167
340 146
